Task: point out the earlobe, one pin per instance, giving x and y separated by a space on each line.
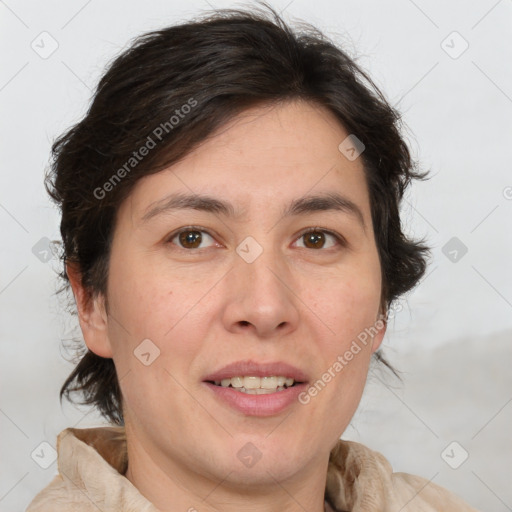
91 314
381 326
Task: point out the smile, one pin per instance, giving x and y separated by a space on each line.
253 385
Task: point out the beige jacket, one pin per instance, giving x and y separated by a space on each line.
92 462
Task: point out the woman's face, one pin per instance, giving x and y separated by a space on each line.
245 284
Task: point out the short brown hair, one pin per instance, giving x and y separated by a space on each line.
218 65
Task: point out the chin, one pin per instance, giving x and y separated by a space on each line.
262 460
263 474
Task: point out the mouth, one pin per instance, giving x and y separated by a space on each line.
251 377
257 389
254 385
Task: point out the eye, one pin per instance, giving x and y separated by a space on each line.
315 238
190 238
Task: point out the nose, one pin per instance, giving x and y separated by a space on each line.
262 297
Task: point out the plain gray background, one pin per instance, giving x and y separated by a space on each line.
446 66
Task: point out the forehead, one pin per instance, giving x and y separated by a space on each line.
268 155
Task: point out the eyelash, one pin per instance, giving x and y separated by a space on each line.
341 241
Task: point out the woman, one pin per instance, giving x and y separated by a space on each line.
231 234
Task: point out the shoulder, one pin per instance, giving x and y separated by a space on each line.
57 497
417 490
360 478
89 479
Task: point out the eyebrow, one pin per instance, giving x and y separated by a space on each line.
331 201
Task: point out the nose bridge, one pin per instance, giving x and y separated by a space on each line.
261 265
261 283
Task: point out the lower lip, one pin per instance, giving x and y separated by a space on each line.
258 405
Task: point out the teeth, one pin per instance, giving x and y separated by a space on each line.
257 385
237 382
260 391
269 382
252 382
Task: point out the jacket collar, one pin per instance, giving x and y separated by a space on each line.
356 477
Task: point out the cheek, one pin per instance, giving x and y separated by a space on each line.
154 339
345 305
148 304
146 301
344 350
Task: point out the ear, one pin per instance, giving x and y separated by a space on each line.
91 314
381 325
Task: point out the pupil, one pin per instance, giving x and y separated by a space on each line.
314 238
190 237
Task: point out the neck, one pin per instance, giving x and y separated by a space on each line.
171 485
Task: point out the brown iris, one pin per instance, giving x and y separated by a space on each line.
191 237
316 238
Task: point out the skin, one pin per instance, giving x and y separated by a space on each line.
299 303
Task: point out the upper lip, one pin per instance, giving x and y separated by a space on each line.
252 368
